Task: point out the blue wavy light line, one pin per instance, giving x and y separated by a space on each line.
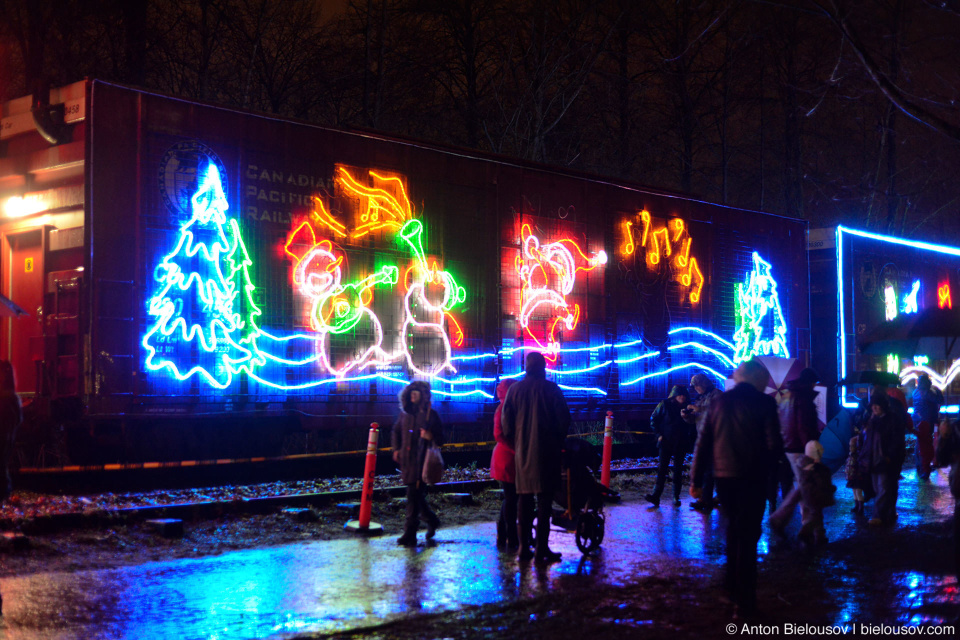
676 368
727 360
702 332
643 357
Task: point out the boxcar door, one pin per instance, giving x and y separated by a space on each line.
23 283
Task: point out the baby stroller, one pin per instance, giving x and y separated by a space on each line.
581 496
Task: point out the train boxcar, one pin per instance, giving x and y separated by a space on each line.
201 280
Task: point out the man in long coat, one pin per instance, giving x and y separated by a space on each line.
742 436
536 419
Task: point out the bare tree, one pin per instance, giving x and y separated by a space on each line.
549 54
459 40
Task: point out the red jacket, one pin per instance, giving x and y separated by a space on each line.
503 465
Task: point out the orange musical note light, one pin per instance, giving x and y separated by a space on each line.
659 243
629 246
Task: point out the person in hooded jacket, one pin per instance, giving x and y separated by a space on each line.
706 394
503 469
671 421
536 419
798 425
417 428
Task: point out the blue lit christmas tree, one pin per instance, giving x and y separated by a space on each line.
206 320
761 329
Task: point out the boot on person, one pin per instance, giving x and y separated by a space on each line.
432 526
525 536
408 539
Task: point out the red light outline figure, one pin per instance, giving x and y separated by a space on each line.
535 264
943 296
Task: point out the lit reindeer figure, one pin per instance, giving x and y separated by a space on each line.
547 274
338 308
424 308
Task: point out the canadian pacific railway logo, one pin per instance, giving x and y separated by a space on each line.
179 176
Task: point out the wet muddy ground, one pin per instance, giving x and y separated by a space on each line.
132 543
657 580
128 542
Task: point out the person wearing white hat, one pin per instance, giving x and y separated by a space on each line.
816 489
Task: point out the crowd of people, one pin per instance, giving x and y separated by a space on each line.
748 450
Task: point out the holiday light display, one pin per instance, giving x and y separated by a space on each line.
423 318
382 207
660 243
761 329
338 308
383 210
204 310
943 296
205 306
939 381
889 302
547 273
893 363
910 300
943 299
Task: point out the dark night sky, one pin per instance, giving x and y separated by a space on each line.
763 105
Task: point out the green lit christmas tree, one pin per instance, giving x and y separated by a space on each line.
761 329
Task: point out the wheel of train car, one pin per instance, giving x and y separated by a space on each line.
590 532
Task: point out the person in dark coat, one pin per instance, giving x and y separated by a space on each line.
706 394
671 422
11 415
799 425
901 425
948 454
742 436
536 419
503 469
880 457
417 428
927 400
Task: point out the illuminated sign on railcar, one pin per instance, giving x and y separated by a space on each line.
548 272
669 245
928 262
370 305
